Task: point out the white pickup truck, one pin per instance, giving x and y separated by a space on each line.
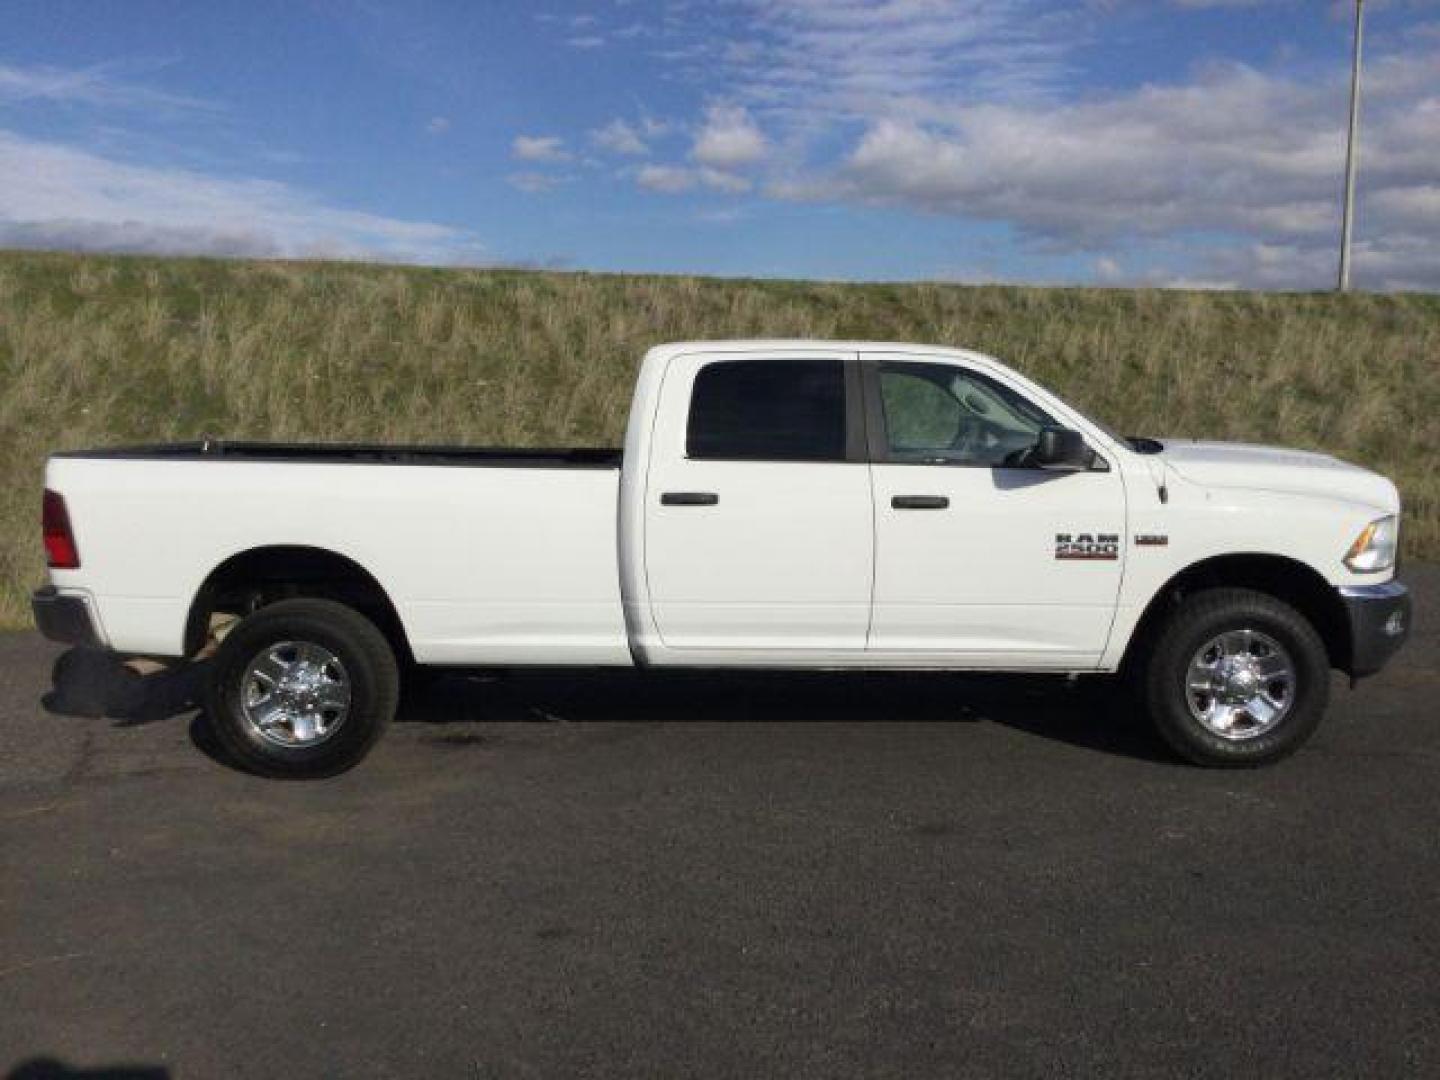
787 504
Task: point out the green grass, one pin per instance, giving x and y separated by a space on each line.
101 350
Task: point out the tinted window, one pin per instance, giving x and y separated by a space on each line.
941 413
768 410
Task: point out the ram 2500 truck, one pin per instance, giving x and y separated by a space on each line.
787 504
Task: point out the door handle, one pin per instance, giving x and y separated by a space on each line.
920 502
689 498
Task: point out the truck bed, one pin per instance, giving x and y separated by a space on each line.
575 457
514 558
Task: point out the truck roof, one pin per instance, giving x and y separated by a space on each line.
793 344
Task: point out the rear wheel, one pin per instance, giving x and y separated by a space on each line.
301 688
1236 677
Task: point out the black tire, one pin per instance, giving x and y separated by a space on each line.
1197 620
369 670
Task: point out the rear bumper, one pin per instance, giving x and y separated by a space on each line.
63 617
1379 618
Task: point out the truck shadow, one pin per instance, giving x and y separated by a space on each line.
93 683
1088 714
46 1068
1092 714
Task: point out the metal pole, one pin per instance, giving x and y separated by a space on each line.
1352 153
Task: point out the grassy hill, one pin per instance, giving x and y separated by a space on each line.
97 350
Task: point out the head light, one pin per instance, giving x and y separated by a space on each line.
1374 549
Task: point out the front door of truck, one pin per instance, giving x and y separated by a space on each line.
979 560
759 529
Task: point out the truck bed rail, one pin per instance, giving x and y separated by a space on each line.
578 457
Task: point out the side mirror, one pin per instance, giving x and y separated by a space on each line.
1061 450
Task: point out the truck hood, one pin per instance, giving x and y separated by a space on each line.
1272 468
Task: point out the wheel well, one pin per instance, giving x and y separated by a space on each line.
250 580
1285 579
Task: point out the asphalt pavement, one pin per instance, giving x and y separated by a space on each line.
583 874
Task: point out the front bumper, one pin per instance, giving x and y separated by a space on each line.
1379 618
63 617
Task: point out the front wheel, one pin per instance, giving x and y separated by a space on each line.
301 688
1236 677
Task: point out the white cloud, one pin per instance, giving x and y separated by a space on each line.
437 125
619 137
1229 3
547 148
590 31
534 183
149 238
101 85
1389 261
1420 202
53 195
667 179
849 59
720 180
1231 151
969 110
673 179
729 139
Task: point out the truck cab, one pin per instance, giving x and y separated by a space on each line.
876 507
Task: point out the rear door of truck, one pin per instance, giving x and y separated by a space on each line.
758 511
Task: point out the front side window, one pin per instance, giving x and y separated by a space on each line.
768 410
948 415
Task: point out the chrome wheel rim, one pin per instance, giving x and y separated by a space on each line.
1240 684
295 694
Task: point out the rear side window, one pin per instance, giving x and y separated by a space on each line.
768 410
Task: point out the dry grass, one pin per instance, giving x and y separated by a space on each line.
101 350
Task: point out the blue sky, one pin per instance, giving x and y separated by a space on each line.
1109 141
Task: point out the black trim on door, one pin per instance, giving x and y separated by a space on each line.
920 502
876 444
689 498
856 444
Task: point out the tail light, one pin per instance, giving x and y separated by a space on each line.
60 549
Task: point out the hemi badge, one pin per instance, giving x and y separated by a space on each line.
1151 540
